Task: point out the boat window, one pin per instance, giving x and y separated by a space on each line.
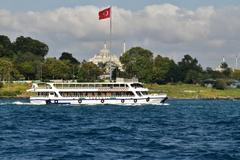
144 93
98 85
42 94
57 85
84 85
79 85
137 85
116 85
139 94
72 85
110 85
130 94
91 85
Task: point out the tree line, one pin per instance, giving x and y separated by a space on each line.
25 59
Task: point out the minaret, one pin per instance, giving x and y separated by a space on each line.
124 48
236 62
223 60
105 45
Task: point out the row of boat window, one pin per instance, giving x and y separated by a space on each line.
87 94
136 85
90 85
96 94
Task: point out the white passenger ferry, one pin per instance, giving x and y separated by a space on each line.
119 92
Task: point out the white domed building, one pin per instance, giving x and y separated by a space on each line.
105 57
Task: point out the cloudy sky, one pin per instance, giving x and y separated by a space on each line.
206 29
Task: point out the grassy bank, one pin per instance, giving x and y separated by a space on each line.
193 91
14 90
173 91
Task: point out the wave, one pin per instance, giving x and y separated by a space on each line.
17 103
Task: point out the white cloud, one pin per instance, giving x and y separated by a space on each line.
205 32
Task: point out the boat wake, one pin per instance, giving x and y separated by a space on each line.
18 103
22 103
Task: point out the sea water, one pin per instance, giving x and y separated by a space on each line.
184 129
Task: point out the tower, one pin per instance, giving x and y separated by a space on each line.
124 48
236 62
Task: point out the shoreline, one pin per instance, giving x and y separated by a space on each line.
169 98
173 91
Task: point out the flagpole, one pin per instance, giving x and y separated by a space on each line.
110 43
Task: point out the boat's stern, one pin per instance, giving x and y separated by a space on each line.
158 98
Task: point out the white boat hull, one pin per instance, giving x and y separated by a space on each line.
98 101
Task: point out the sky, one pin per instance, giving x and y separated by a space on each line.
206 29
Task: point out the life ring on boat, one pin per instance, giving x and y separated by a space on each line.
102 100
56 101
135 100
48 101
79 101
148 99
122 100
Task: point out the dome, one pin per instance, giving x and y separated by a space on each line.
104 56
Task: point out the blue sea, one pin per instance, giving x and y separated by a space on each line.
182 130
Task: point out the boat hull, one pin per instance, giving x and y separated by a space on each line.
99 101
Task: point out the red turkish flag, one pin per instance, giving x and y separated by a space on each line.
106 13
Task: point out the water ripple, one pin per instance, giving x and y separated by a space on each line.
185 129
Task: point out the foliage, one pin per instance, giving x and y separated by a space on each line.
138 62
68 57
220 84
226 70
5 47
211 74
88 72
6 69
27 44
189 64
25 59
117 73
236 74
181 90
56 69
164 70
193 77
14 89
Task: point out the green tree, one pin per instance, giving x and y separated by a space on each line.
30 69
28 64
220 84
6 69
27 44
189 64
225 69
68 57
56 69
236 74
193 76
165 70
138 62
5 47
88 72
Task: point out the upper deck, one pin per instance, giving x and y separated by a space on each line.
96 86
